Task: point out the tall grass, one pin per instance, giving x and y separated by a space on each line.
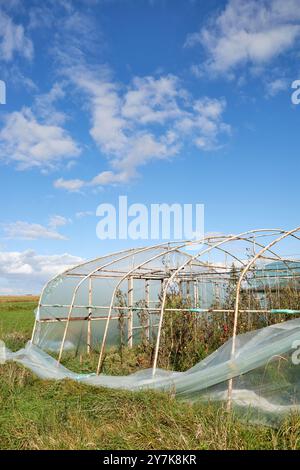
38 414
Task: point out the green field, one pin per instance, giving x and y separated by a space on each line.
36 414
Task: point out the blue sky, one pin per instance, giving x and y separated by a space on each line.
162 101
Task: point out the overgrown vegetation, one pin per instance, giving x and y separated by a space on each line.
287 297
187 335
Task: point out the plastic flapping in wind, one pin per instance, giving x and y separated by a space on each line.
264 369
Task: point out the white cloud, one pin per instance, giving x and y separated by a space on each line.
44 105
16 78
77 32
205 124
26 272
28 143
56 221
151 119
70 185
13 39
82 214
247 32
27 231
152 100
276 86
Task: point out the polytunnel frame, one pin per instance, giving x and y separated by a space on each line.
127 253
173 276
89 276
111 307
258 255
167 248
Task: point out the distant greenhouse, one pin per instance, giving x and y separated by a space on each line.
276 275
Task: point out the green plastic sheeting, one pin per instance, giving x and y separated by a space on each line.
286 311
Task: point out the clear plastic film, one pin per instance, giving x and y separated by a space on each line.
264 369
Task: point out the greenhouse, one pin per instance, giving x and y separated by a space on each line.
82 308
238 296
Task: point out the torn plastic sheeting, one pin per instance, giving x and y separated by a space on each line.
264 368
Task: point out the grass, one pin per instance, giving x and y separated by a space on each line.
38 414
16 320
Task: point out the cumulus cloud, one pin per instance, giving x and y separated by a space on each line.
151 119
26 272
29 143
247 32
31 231
205 123
73 185
152 100
28 231
13 39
